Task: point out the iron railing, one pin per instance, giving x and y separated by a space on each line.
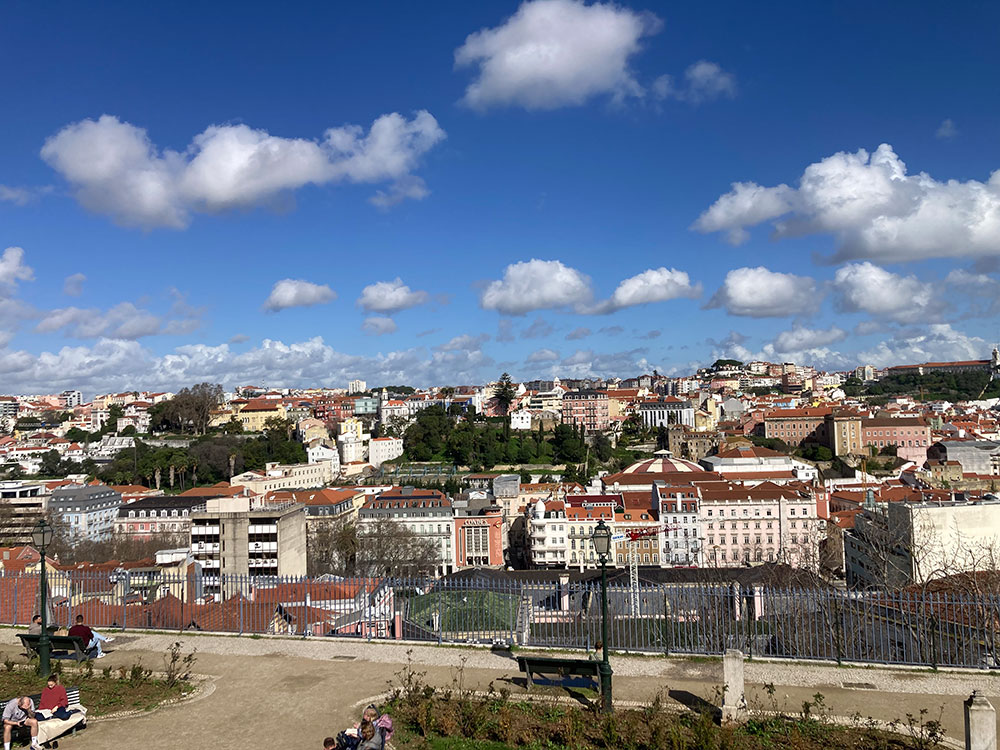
930 629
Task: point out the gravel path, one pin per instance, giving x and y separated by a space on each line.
260 682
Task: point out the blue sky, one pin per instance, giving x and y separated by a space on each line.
194 192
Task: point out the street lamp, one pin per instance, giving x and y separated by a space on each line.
601 539
41 536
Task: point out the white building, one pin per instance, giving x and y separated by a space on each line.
666 411
320 453
69 399
547 534
89 510
520 420
286 476
752 464
357 386
679 537
384 449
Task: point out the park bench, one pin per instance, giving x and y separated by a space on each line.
67 643
549 665
51 729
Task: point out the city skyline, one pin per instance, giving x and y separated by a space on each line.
544 188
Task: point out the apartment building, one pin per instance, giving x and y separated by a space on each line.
679 540
384 449
89 510
149 517
798 426
22 505
277 476
240 536
479 530
588 408
666 411
426 513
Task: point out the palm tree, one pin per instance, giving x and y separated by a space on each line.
504 395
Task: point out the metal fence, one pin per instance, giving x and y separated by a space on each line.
932 629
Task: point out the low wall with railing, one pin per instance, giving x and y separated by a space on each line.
932 629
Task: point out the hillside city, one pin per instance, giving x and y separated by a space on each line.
869 479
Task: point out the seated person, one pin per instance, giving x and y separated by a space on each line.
92 638
370 737
20 712
54 699
35 628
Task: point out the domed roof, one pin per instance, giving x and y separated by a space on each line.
664 463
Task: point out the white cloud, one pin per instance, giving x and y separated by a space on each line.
872 207
947 129
116 365
123 321
654 285
116 170
410 187
746 204
505 330
297 293
13 269
378 325
578 333
73 285
239 338
936 343
536 285
543 355
390 297
555 53
761 293
463 343
800 338
865 287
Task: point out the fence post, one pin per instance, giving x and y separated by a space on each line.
734 704
980 723
440 620
241 604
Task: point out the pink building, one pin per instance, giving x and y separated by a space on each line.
588 408
910 435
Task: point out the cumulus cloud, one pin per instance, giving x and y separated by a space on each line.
297 293
655 285
555 53
390 297
537 330
114 365
947 130
612 330
505 330
578 333
19 196
800 338
762 293
463 343
378 325
872 207
937 343
865 287
123 321
13 269
542 355
73 285
650 335
536 285
116 170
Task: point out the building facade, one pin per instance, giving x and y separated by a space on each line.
588 408
88 510
666 411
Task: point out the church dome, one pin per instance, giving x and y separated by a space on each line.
664 463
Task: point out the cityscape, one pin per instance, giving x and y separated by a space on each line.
548 373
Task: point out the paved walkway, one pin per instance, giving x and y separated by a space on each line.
293 692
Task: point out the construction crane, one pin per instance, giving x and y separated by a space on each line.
633 537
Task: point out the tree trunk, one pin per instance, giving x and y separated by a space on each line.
172 473
194 475
232 465
157 477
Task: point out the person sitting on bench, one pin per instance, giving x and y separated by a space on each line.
20 712
92 638
35 628
54 699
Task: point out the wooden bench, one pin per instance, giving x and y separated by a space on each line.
549 665
67 643
51 729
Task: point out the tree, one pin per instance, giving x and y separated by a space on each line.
602 447
504 395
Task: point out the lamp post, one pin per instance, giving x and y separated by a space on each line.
601 539
41 536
